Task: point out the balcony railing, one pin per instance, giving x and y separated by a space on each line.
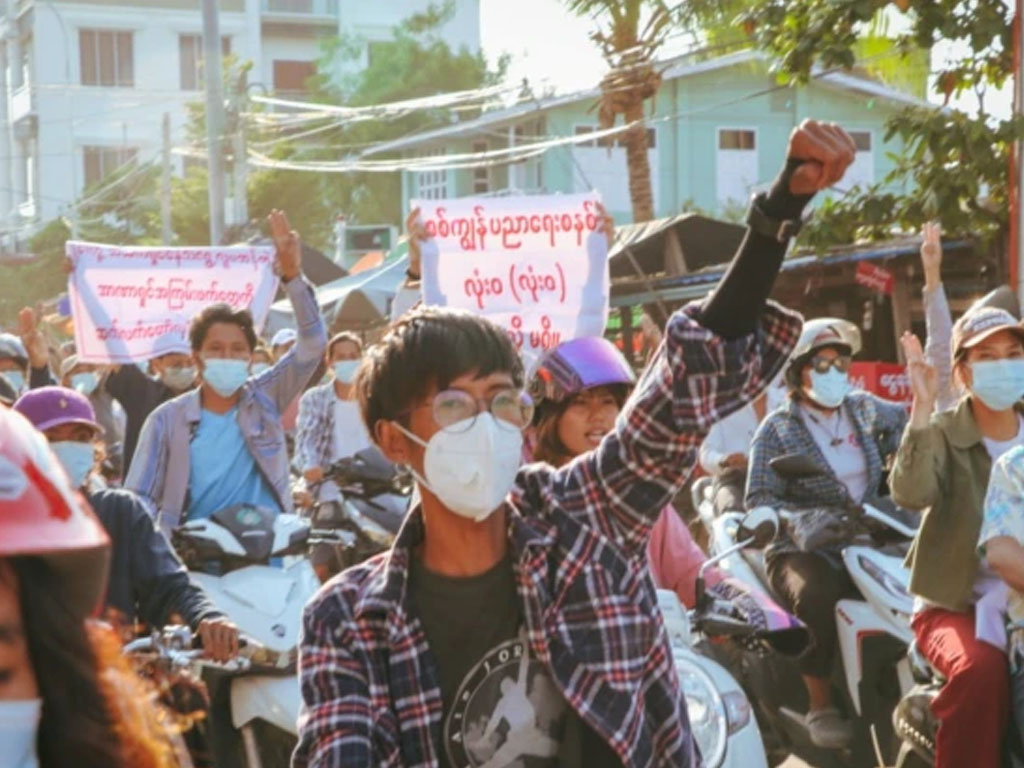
302 7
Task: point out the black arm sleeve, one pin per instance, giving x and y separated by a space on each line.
734 306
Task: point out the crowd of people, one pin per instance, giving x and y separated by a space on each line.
542 519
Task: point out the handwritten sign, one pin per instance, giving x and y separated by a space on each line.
130 304
537 266
874 277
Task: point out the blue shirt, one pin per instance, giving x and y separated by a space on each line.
222 471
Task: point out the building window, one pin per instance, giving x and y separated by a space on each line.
736 139
862 172
433 185
291 76
106 57
736 165
190 59
100 162
615 140
481 176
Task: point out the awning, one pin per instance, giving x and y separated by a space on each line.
355 303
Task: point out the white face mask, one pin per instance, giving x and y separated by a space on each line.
471 471
179 378
19 727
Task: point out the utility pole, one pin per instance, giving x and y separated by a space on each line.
214 118
165 183
241 168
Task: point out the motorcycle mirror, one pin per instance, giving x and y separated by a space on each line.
794 466
761 525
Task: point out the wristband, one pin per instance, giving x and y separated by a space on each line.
780 230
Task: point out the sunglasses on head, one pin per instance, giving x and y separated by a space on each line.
821 364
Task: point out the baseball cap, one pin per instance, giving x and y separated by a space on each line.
979 324
284 336
11 346
49 407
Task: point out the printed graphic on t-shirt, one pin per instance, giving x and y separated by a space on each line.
507 713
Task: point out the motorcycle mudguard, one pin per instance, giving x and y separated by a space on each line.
273 699
857 623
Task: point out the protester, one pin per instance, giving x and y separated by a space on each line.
147 580
579 389
943 469
724 454
937 319
88 379
13 362
222 443
851 435
282 341
539 567
330 426
139 394
262 359
7 393
66 696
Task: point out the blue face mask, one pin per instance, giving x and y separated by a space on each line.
828 389
999 384
16 379
345 370
258 368
78 459
85 383
225 375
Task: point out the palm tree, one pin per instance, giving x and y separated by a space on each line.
630 34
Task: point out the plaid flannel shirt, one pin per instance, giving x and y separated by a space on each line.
315 425
578 538
879 425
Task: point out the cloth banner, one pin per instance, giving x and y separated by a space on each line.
131 304
535 265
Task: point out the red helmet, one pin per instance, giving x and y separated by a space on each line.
40 515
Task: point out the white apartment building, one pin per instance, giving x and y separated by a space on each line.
86 83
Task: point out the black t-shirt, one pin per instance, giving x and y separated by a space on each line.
501 706
139 396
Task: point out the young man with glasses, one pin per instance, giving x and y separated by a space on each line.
852 434
514 622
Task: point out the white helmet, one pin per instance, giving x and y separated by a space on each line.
817 334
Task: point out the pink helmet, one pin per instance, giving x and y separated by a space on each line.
42 516
580 364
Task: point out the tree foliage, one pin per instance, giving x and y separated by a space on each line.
414 63
956 166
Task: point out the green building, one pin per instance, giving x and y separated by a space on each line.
717 129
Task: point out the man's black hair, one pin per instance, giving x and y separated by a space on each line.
344 336
221 313
428 348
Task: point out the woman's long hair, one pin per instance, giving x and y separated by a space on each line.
96 712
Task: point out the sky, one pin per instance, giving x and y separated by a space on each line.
549 45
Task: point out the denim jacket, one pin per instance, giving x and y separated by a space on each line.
160 468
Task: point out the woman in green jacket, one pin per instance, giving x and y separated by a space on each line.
942 469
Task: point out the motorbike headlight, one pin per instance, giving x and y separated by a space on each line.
886 580
708 718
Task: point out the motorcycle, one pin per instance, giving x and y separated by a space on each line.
721 716
229 556
872 670
374 497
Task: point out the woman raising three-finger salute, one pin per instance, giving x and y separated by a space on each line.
942 469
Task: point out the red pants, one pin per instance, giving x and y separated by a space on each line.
974 705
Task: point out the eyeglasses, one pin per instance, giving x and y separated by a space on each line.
841 363
458 409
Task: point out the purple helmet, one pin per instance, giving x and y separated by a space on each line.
580 364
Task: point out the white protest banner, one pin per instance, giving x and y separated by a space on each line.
536 265
130 304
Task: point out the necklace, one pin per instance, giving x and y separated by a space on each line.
836 440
